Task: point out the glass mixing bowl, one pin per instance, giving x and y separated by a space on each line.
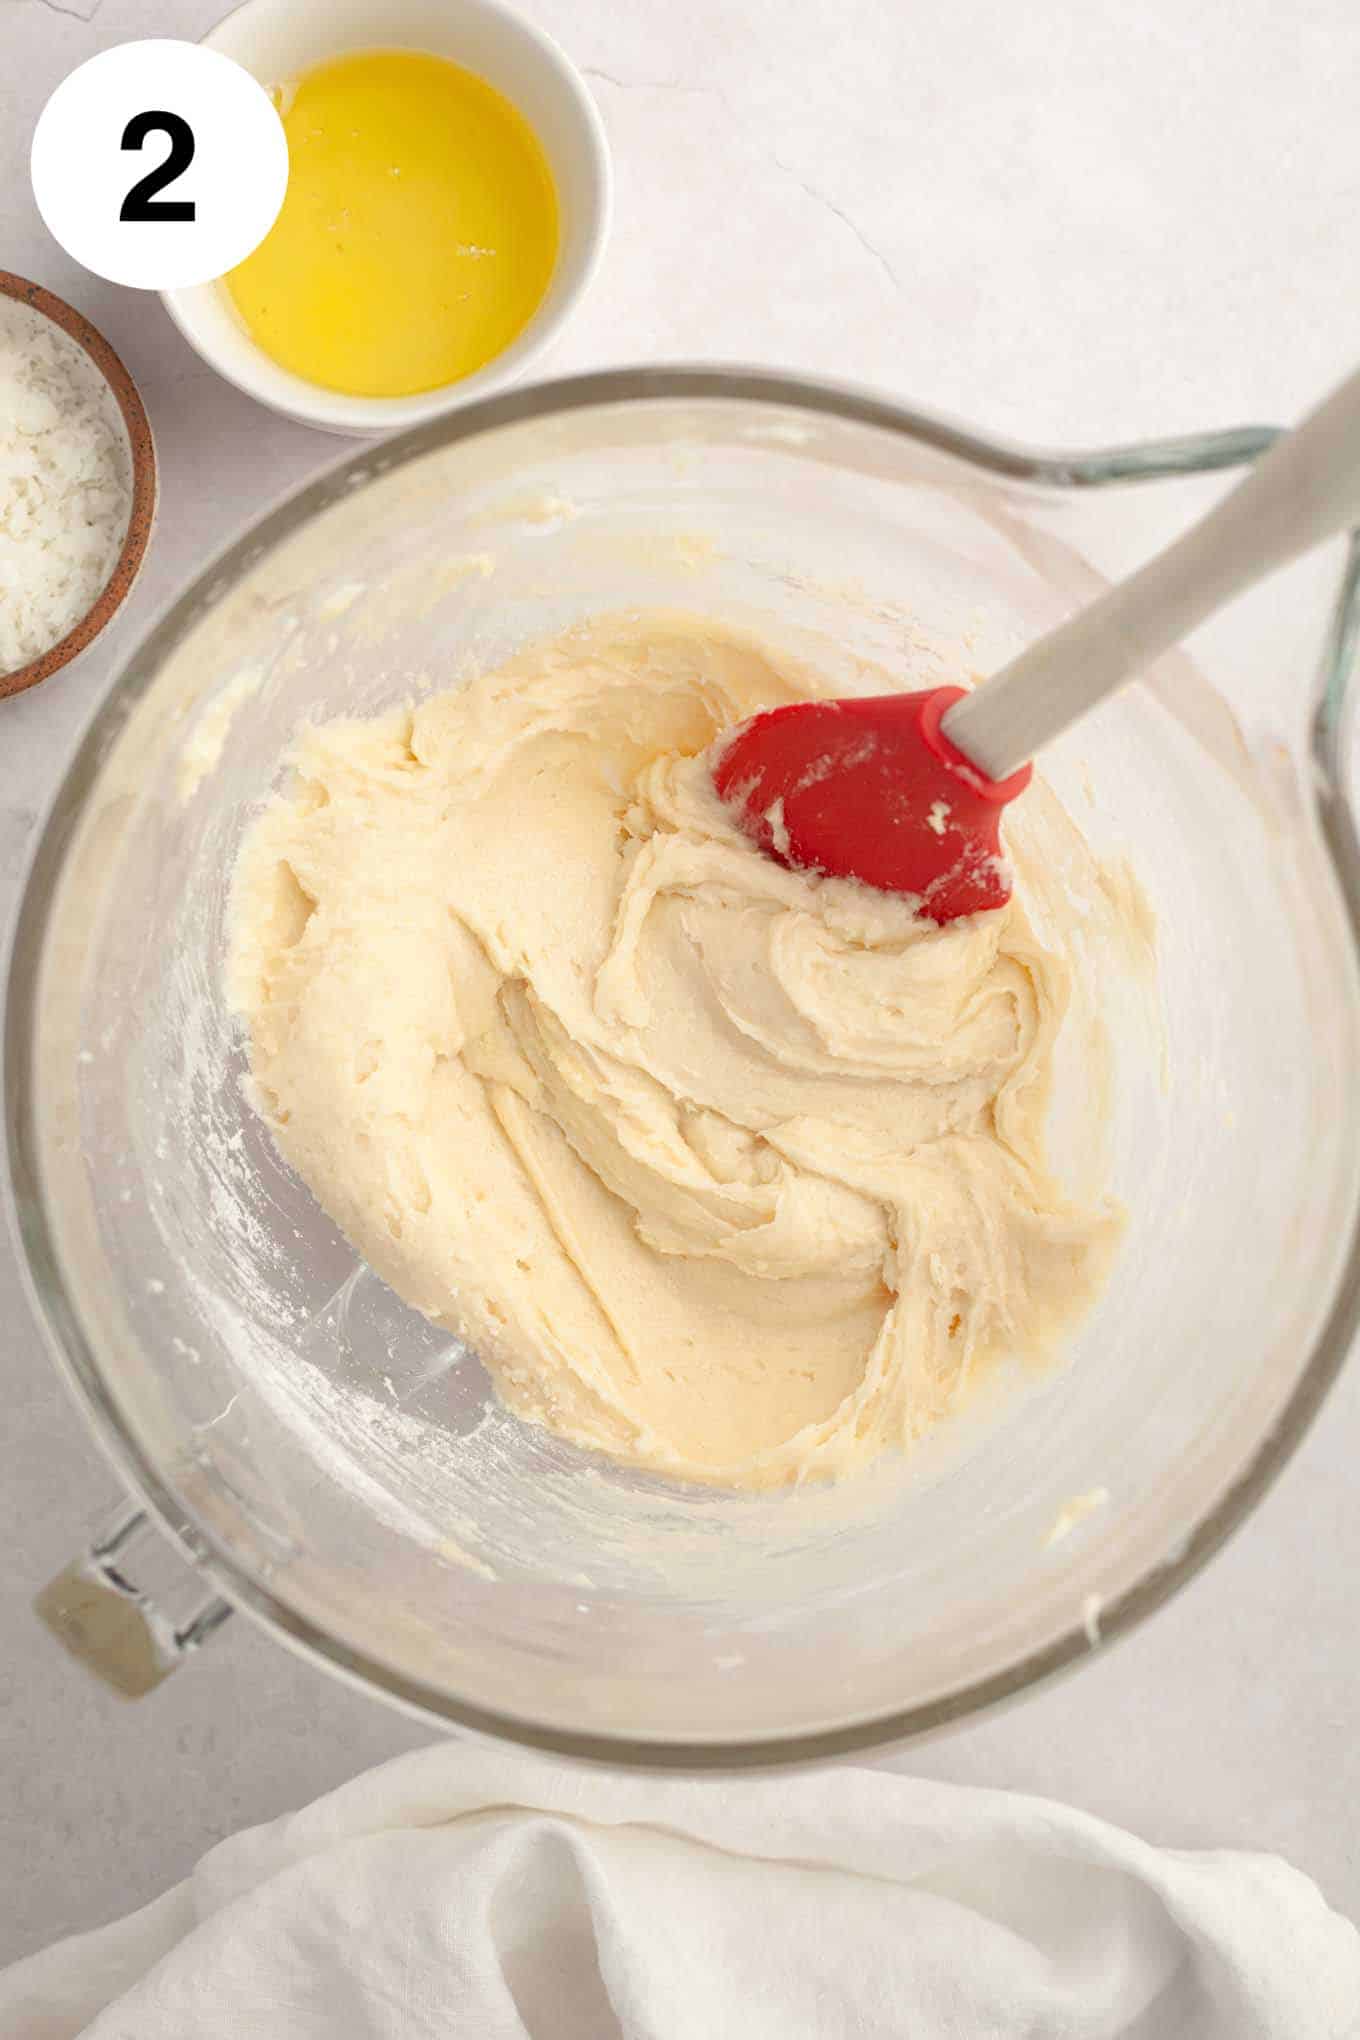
339 1467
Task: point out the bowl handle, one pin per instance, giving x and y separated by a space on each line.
131 1609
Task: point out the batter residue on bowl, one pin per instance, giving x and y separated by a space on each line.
731 1172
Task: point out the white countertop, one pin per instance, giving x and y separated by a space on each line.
1069 224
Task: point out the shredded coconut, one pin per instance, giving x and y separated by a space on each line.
65 484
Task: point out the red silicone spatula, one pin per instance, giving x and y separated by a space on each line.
906 791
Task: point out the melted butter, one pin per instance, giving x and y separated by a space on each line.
418 235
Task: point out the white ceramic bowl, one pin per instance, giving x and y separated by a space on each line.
276 39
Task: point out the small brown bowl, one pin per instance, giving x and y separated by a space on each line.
138 535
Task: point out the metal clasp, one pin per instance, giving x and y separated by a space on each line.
132 1608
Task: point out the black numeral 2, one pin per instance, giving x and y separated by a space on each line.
141 202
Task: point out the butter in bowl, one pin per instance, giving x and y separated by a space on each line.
447 205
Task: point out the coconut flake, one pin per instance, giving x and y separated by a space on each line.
65 484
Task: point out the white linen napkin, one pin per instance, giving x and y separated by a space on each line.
466 1891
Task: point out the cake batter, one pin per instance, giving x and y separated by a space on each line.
728 1171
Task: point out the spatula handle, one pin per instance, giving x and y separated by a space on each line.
1303 490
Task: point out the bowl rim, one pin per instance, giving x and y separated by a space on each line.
327 410
142 510
39 1255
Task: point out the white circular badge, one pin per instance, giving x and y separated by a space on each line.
159 164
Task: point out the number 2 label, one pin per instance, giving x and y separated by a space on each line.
141 202
112 147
